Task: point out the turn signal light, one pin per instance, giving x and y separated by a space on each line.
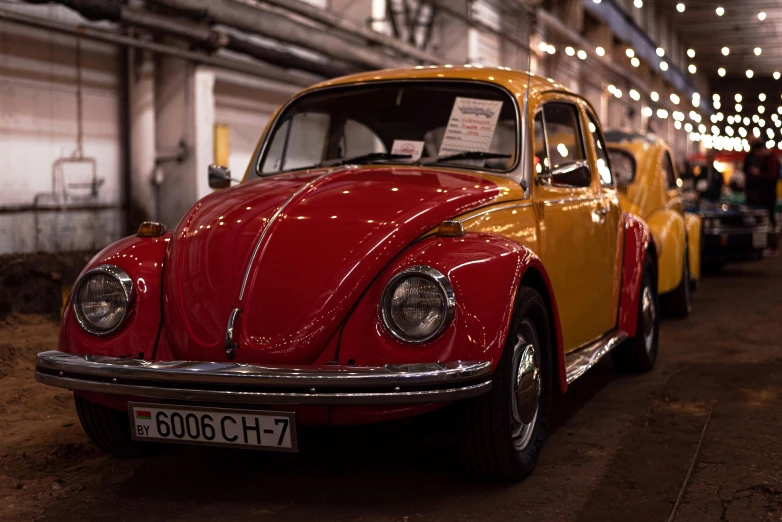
151 229
451 228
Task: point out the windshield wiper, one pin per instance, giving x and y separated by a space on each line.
365 158
467 156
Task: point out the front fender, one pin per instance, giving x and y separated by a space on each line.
668 230
485 272
692 223
142 259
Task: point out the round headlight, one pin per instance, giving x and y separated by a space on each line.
417 304
102 298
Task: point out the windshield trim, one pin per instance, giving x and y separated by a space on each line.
512 172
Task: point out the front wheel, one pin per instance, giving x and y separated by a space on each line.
503 431
639 353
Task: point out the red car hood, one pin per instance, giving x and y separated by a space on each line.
334 230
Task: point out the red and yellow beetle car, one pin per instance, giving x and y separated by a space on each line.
649 187
401 240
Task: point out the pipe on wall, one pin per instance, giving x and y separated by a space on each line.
266 22
220 62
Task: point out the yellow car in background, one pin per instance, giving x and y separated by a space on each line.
649 187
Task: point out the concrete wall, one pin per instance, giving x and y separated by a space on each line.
38 126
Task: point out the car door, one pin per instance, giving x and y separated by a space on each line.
610 238
571 221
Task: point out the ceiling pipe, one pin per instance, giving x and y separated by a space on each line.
337 22
219 62
211 39
255 19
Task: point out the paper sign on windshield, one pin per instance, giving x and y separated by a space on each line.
471 126
413 148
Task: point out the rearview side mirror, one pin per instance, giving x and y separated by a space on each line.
219 177
573 174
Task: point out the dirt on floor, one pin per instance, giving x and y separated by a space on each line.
619 448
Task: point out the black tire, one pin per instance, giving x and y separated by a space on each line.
639 353
489 424
109 429
678 303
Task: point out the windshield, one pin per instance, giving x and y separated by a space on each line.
456 123
622 165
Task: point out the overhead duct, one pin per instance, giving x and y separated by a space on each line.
268 23
107 10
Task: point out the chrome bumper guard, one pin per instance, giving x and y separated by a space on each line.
236 383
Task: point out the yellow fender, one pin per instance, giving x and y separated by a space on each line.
693 224
669 233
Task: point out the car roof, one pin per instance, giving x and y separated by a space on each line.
513 80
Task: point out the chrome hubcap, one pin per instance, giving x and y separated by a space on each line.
527 385
649 314
527 388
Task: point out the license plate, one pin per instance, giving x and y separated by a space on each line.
759 240
263 430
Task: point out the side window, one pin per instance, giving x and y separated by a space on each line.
603 161
564 143
541 157
668 171
298 143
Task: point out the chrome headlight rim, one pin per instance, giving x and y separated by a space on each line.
127 287
443 285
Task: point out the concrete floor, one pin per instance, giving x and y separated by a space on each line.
619 448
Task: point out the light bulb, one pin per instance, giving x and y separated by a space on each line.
725 51
630 53
750 74
600 51
761 16
691 53
692 68
656 97
660 52
664 66
720 11
680 7
758 50
635 62
721 71
582 54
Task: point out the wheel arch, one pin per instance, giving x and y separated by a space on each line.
535 277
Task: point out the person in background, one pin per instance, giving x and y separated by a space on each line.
761 169
711 180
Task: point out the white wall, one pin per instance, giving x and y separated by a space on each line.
245 106
38 125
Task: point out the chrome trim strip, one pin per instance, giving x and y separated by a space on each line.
231 346
251 397
496 208
232 373
269 225
578 362
127 287
571 199
445 287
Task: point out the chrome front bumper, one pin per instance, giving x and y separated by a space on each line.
236 383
